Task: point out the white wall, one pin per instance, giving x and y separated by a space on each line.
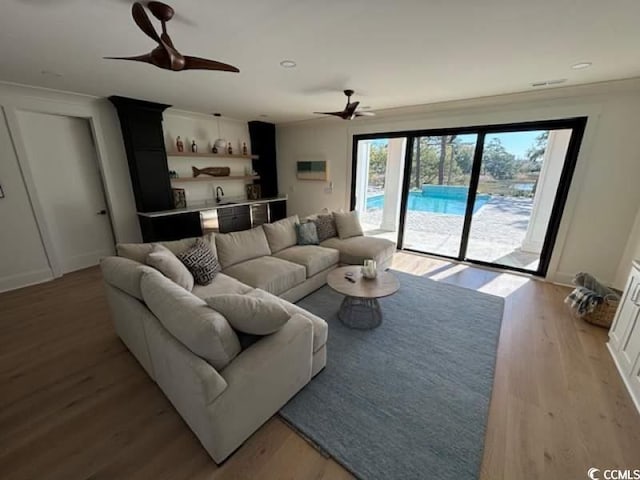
23 258
604 196
631 253
205 129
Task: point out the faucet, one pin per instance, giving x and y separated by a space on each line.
219 194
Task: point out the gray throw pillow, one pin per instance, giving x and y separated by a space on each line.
201 262
307 233
348 224
163 259
325 226
255 316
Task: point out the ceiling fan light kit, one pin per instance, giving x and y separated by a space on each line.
165 55
350 110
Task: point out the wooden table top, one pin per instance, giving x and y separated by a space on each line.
383 285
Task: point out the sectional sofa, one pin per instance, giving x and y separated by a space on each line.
223 383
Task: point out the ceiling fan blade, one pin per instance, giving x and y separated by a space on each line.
146 58
350 110
196 63
142 20
365 114
335 114
176 60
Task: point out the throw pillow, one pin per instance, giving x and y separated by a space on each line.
347 224
325 226
163 259
281 234
307 233
255 316
201 262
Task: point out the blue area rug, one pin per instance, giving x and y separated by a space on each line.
409 399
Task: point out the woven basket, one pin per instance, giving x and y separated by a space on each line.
603 314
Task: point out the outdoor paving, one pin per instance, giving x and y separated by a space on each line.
497 231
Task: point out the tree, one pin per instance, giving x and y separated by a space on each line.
499 163
536 152
377 164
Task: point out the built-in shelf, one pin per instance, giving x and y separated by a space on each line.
209 178
211 155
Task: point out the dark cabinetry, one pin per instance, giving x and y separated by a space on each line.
277 211
171 227
233 219
141 124
263 144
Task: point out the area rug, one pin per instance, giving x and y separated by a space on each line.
409 399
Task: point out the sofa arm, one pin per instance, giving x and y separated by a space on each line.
184 377
272 350
260 381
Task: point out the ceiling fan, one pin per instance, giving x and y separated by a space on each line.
165 54
349 112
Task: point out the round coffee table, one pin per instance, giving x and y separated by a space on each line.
360 307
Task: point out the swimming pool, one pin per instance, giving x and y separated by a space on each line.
444 202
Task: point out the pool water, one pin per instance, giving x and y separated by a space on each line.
430 202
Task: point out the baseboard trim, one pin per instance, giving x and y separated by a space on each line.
21 280
85 260
625 380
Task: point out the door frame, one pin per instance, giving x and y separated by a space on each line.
576 124
11 111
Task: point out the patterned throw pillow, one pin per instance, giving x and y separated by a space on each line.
325 226
201 262
307 234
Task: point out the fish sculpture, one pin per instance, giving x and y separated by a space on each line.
213 171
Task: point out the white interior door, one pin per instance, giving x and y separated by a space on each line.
64 167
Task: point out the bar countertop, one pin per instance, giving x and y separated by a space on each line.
205 205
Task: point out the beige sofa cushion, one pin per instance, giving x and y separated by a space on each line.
221 284
162 259
312 257
139 251
124 273
347 224
237 247
269 273
255 316
355 250
281 234
320 327
188 318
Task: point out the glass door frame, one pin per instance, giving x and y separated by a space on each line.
576 124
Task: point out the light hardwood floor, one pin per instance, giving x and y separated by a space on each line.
74 404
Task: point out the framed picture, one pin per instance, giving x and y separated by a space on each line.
312 170
179 198
254 192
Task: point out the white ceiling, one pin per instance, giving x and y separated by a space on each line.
393 53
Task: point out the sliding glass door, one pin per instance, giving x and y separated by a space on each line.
519 176
378 185
492 195
438 189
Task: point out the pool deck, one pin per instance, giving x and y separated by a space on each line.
497 232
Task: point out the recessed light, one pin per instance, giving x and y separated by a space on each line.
288 64
581 65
